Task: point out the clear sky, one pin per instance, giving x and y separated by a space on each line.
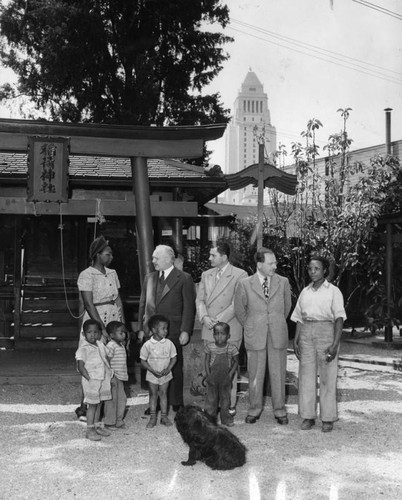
314 57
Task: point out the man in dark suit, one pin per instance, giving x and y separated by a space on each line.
170 292
262 303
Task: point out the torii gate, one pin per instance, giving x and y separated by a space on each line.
135 142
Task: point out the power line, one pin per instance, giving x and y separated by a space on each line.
344 64
378 8
309 46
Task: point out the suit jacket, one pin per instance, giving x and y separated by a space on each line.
215 299
261 317
177 302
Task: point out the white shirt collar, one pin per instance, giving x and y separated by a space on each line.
325 284
222 269
261 277
162 341
167 271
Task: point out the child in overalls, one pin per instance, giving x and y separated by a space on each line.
221 362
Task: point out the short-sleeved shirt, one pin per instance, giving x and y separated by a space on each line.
158 354
118 359
104 288
229 349
94 357
323 304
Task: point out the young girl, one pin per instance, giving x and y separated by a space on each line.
94 367
158 356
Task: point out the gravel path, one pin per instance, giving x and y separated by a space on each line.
45 454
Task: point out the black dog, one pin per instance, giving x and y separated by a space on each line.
209 442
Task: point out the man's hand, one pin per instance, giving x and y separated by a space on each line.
209 322
184 338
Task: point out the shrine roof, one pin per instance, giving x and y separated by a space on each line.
15 164
98 171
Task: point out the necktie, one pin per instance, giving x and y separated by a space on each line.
265 287
160 286
218 275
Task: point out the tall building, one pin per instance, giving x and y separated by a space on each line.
250 109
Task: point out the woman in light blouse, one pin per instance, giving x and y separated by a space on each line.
319 314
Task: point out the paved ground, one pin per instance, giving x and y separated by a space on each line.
45 454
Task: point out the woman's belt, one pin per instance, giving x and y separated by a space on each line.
317 321
109 302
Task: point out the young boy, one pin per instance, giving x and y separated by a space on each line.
117 356
158 356
221 362
94 367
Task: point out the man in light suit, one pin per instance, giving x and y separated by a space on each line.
169 291
262 304
215 301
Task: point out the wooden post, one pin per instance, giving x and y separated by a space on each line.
17 277
178 224
145 245
260 206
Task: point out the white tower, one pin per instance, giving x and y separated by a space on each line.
241 146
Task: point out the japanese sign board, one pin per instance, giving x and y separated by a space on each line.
48 169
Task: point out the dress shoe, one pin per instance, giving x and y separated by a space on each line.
307 424
176 408
102 431
251 419
282 420
327 426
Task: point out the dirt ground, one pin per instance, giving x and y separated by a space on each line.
45 455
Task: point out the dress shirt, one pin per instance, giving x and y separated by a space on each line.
166 272
323 304
219 272
261 277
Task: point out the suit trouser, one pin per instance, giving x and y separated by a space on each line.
233 390
115 407
315 338
256 365
175 394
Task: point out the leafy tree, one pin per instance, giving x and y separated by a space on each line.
335 212
122 61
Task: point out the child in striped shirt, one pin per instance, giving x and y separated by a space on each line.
117 356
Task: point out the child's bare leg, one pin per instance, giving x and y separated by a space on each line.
153 401
163 402
99 428
91 417
81 411
91 411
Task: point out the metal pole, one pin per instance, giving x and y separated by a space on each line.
260 206
388 275
145 244
388 130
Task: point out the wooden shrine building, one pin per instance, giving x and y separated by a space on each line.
63 184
